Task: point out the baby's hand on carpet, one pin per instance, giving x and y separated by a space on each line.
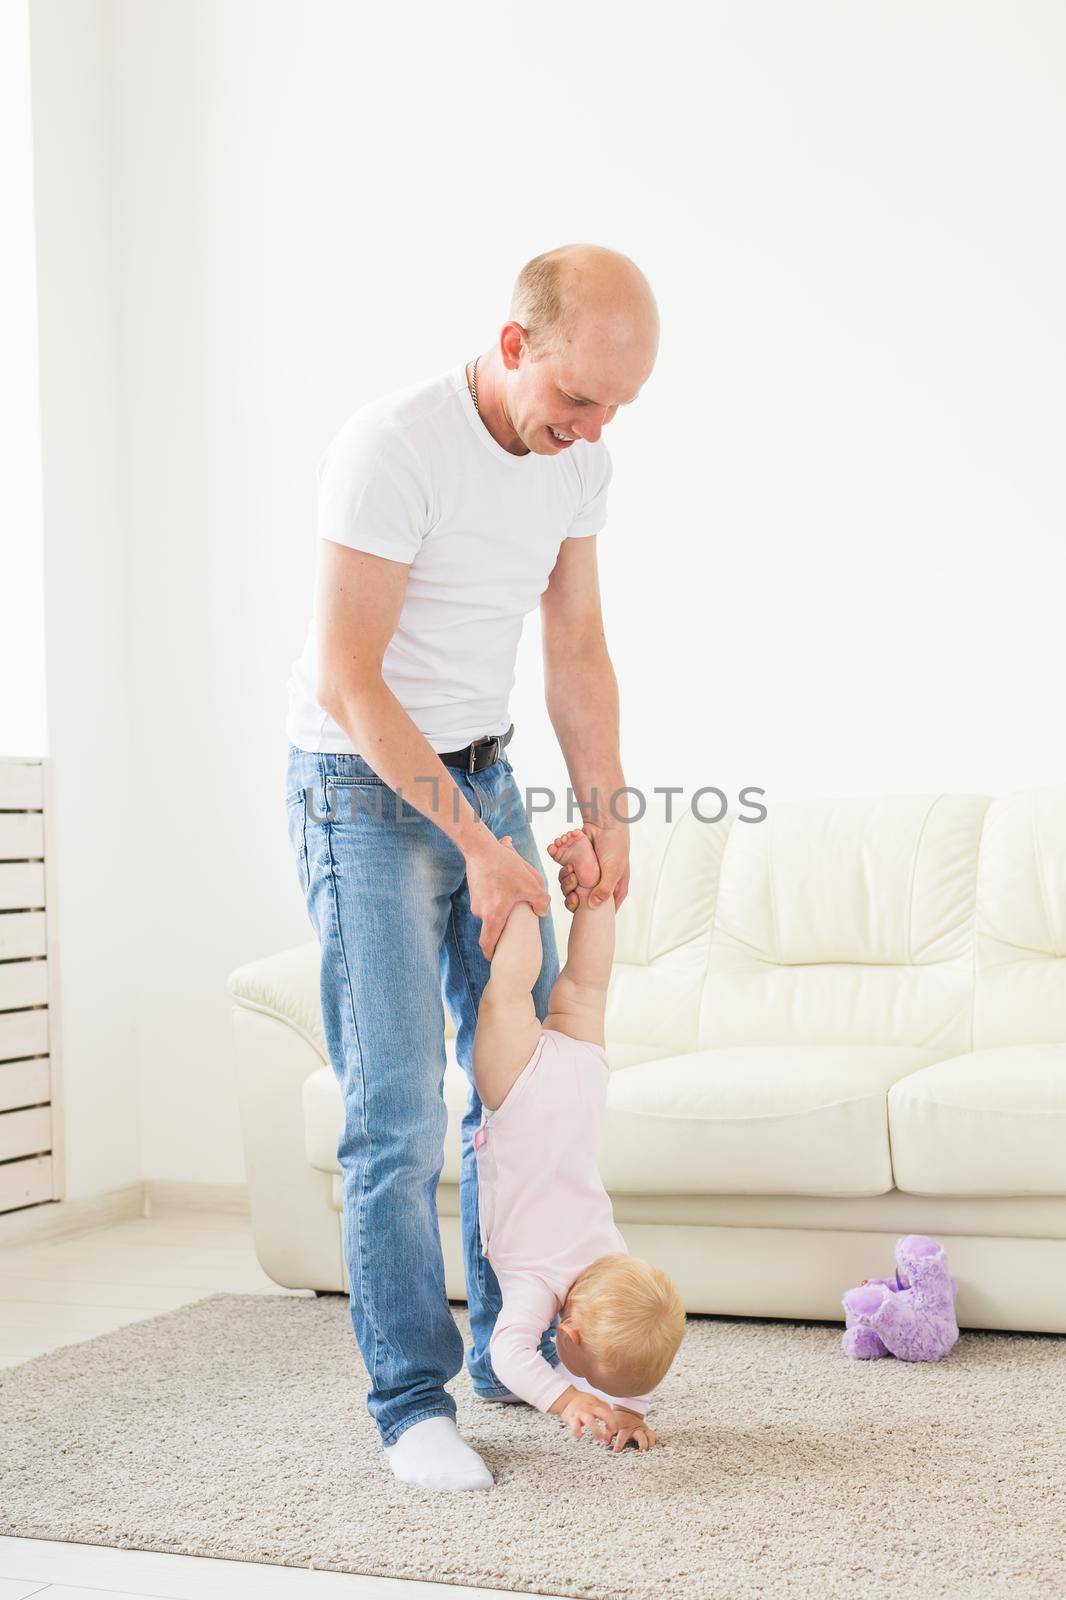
632 1429
586 1411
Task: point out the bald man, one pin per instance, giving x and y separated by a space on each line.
446 512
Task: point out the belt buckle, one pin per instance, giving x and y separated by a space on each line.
472 765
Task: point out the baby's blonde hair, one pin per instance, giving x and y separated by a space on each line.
631 1315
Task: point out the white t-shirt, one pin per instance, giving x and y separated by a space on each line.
416 476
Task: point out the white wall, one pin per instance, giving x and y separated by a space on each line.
836 556
97 842
23 728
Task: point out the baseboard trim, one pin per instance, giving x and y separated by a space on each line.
148 1197
54 1218
162 1195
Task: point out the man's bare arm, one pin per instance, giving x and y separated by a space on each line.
581 694
357 606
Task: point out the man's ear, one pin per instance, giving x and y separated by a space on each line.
513 341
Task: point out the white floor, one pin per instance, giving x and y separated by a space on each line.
61 1292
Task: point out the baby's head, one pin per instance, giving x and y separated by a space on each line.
621 1325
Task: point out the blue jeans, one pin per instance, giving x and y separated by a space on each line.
387 896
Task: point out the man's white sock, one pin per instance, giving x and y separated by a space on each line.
434 1454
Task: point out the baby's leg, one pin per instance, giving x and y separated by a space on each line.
508 1027
578 999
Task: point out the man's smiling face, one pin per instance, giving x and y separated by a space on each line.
574 391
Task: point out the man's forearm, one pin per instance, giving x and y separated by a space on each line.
581 695
386 738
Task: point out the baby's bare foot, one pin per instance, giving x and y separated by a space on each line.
575 850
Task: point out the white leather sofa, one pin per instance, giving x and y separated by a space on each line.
827 1029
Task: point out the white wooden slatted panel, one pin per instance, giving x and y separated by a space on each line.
21 885
21 786
25 1183
28 1170
25 1133
22 933
23 1083
23 983
23 1033
21 835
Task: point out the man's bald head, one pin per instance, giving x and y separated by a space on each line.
582 341
584 292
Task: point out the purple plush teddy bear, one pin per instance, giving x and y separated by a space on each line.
913 1318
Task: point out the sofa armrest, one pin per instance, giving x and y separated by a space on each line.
286 986
296 1230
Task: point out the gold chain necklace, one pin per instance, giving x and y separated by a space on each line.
472 386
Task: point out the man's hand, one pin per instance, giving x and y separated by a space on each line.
610 840
497 878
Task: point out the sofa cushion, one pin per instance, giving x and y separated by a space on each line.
989 1123
751 1120
1020 940
847 922
755 1119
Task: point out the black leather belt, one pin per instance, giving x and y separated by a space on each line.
482 753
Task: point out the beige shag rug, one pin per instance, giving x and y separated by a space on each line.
237 1428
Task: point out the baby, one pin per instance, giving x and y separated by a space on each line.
546 1221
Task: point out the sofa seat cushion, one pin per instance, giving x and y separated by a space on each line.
744 1120
989 1123
755 1119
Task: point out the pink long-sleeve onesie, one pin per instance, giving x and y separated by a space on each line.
543 1211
